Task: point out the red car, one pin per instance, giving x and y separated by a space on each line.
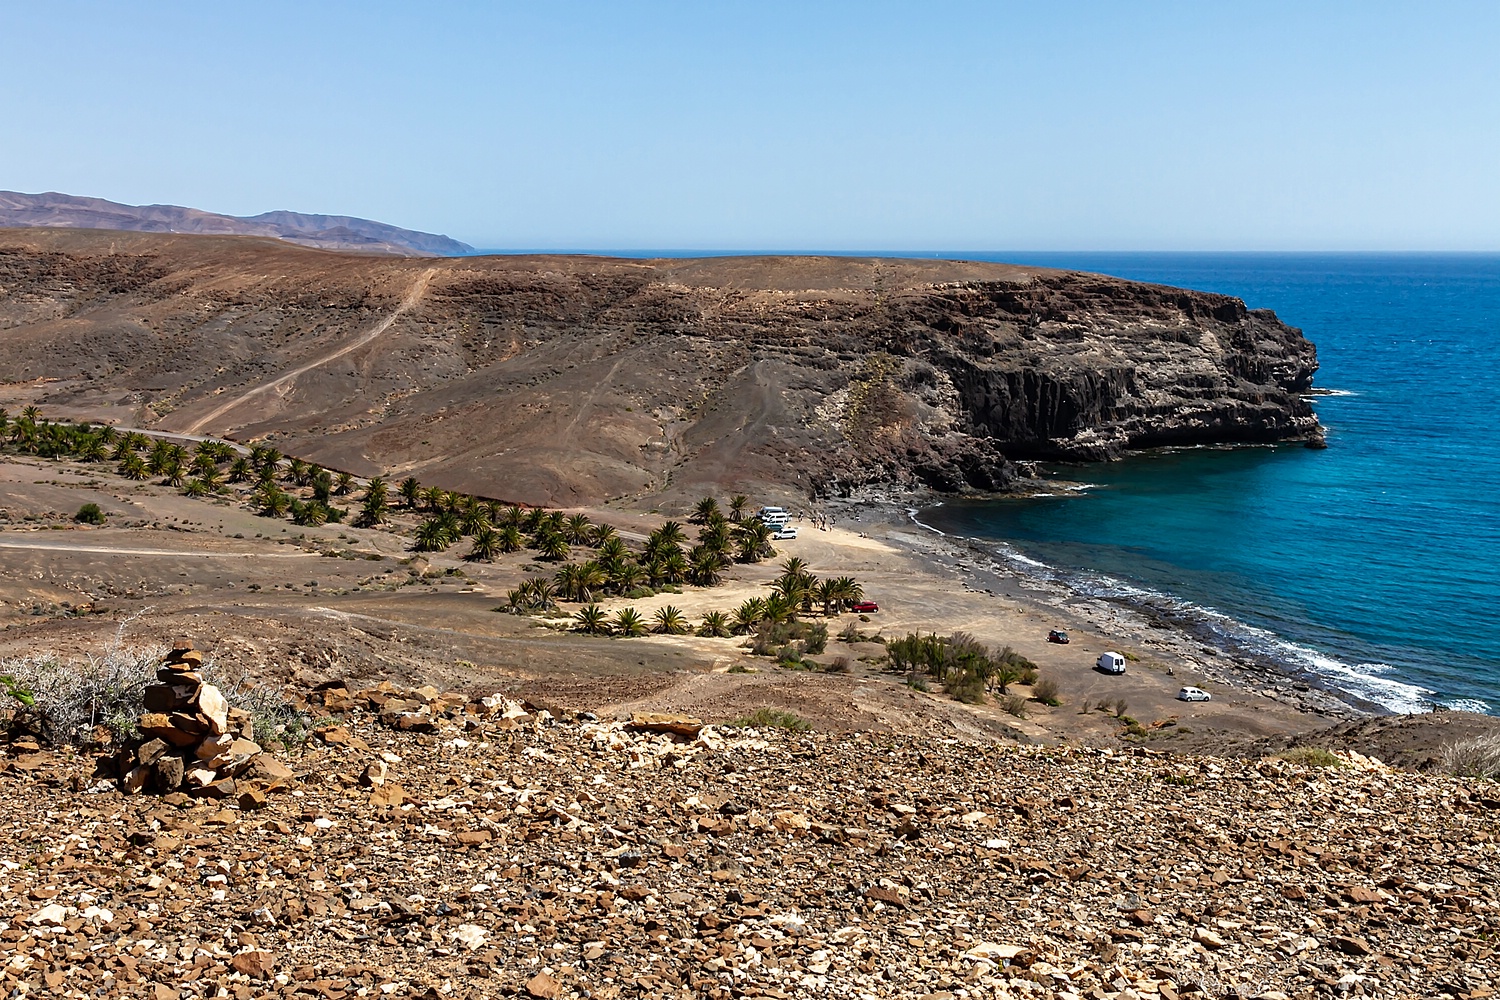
864 608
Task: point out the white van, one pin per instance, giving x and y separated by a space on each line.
1111 663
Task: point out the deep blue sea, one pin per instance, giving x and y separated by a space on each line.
1374 564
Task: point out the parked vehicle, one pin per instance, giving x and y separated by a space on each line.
784 532
864 608
1058 635
1194 694
1111 663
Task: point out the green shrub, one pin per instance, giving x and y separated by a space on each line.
1312 757
772 718
967 688
89 513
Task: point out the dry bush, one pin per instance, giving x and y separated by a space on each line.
1045 691
64 699
61 700
1477 757
1120 705
1014 705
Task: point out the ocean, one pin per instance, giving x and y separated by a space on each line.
1372 567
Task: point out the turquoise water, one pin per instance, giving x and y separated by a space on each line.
1373 565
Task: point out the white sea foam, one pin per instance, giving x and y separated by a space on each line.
1367 681
1468 705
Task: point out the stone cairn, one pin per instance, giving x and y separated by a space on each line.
192 740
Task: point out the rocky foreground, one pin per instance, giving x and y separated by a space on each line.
433 848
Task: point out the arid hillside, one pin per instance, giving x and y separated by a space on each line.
579 379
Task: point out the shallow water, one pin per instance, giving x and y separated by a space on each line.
1375 563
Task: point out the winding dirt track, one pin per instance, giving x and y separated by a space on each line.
412 298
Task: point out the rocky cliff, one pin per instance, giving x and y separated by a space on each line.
576 379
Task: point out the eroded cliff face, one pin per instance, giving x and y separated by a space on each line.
576 379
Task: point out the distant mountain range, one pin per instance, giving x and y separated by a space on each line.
327 232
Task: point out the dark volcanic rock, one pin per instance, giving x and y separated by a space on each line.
573 379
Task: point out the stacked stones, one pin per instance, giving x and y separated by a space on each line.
193 740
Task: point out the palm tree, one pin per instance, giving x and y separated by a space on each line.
377 490
570 583
32 415
196 488
543 596
715 625
372 513
675 568
827 594
705 510
432 536
172 473
343 483
578 529
706 564
669 620
531 520
626 576
241 471
847 592
133 466
271 500
592 620
263 457
551 546
486 545
748 615
795 566
296 471
628 623
474 517
737 505
601 534
410 492
778 610
512 516
435 499
510 538
613 550
310 514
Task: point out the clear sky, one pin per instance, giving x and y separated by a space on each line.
766 125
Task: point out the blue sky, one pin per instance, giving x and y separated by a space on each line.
918 126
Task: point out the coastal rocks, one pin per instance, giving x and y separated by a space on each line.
194 741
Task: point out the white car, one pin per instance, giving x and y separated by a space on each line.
1194 694
787 531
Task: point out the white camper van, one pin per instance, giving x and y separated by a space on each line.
1111 663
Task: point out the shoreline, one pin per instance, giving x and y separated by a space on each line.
892 515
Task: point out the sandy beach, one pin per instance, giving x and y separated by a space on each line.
927 582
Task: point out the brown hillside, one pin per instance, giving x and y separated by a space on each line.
574 379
